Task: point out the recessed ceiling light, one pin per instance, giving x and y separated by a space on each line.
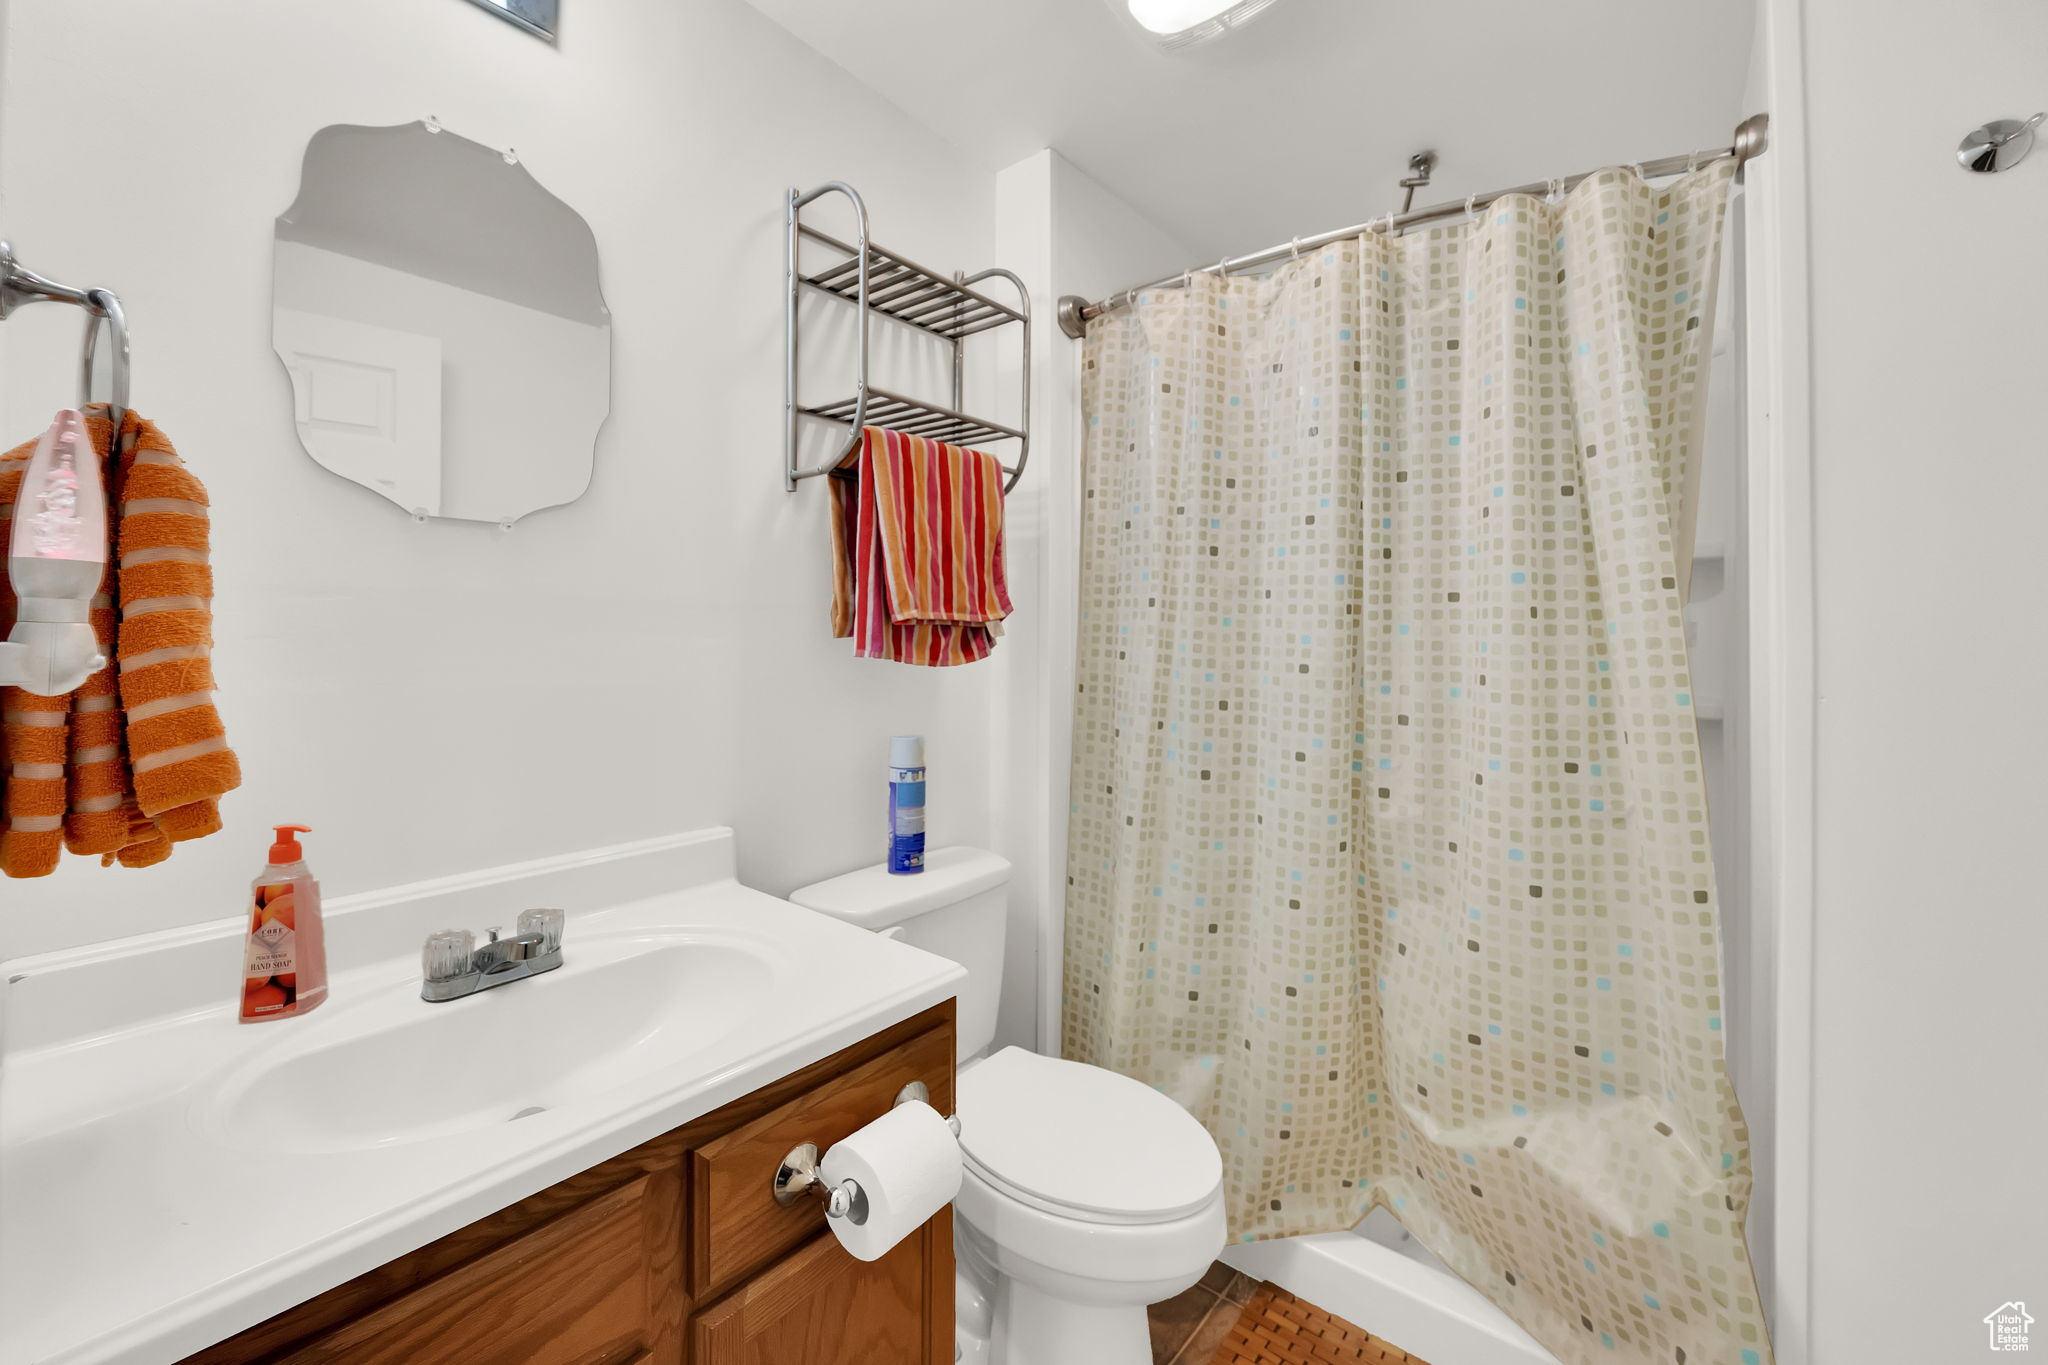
1183 23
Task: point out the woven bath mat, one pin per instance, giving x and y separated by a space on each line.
1278 1329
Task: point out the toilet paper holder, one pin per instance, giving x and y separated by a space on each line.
800 1173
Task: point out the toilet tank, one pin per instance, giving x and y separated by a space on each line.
956 908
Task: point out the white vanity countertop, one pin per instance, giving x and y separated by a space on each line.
171 1177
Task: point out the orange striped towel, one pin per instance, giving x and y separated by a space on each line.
135 760
917 551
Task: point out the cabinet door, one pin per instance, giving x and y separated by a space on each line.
596 1286
820 1306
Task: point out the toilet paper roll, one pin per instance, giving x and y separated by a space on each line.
907 1164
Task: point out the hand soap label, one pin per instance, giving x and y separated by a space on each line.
270 951
270 965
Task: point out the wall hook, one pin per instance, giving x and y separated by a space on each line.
1999 145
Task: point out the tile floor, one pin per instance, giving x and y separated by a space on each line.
1191 1327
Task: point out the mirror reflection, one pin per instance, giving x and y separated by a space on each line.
439 314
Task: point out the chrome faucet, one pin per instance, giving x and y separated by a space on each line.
453 966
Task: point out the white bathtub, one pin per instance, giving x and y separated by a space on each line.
1380 1278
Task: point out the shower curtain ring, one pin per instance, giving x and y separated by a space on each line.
1692 162
1294 249
1472 205
1556 191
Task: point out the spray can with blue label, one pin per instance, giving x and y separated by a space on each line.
906 804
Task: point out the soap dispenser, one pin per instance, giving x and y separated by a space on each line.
284 961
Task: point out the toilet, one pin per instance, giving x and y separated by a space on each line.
1087 1195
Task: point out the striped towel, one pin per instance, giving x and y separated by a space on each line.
917 551
134 760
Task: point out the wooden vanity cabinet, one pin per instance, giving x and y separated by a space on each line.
674 1253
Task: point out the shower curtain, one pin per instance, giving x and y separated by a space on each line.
1388 843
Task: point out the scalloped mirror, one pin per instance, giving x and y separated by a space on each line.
439 315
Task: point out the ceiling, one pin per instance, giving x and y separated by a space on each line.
1303 121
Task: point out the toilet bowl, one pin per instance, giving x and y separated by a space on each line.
1087 1195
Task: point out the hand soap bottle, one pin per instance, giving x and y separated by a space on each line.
284 964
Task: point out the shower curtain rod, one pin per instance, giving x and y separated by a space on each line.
1752 138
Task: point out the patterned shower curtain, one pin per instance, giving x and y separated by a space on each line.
1388 847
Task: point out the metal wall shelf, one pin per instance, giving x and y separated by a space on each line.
876 281
892 410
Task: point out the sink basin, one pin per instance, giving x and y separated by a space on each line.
384 1071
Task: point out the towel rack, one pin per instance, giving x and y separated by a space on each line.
880 282
19 285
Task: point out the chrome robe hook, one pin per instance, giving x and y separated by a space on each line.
1999 145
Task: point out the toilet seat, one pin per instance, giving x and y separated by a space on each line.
1082 1142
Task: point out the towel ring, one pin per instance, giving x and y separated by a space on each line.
20 285
104 306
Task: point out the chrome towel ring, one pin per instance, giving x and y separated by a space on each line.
19 285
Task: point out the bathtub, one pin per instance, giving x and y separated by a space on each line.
1382 1279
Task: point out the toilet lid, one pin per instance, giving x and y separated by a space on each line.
1084 1139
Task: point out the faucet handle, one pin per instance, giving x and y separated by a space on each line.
548 923
448 954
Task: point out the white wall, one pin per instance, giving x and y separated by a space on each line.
1928 295
444 697
1066 234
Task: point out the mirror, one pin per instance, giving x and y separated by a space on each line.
438 312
